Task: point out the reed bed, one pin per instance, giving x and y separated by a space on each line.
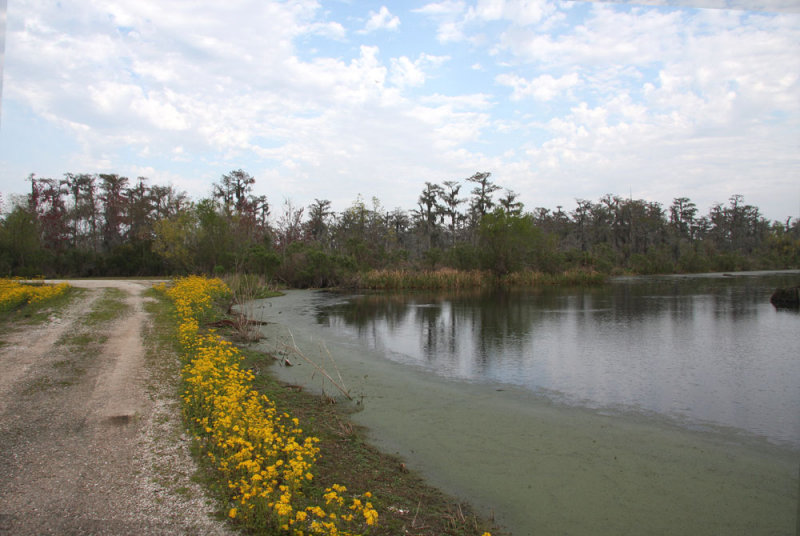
423 279
263 457
450 279
530 278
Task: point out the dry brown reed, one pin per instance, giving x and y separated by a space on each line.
450 279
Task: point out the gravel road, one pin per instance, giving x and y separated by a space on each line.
90 434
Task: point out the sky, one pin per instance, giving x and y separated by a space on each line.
559 100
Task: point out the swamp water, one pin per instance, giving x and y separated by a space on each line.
666 405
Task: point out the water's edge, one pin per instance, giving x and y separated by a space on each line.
545 468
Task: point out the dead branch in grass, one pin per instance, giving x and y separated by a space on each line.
296 351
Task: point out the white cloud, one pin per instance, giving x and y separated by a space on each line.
164 77
677 101
382 20
701 93
331 30
451 31
776 6
459 22
542 88
518 12
126 102
450 17
407 73
607 38
446 8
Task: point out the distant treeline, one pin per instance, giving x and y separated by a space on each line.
108 225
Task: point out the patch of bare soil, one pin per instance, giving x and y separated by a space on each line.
90 434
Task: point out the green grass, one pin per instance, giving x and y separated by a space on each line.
78 341
39 384
159 335
161 355
86 343
40 312
183 491
32 314
109 307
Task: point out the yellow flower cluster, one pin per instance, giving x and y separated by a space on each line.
262 453
14 293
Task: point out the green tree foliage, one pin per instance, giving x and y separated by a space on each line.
83 215
510 242
289 228
510 204
174 240
307 265
428 213
109 225
319 221
449 207
20 243
482 194
114 204
214 245
362 234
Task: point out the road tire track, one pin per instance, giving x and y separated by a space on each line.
90 436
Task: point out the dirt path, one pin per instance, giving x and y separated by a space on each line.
90 435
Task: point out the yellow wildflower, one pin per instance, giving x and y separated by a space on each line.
260 453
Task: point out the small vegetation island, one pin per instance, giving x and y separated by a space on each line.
460 234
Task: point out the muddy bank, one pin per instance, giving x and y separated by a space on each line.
544 468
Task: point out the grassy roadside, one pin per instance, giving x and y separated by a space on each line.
26 315
38 312
172 444
406 505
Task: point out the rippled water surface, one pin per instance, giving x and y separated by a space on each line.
700 349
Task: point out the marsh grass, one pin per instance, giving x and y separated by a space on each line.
532 279
253 286
244 290
449 279
423 279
